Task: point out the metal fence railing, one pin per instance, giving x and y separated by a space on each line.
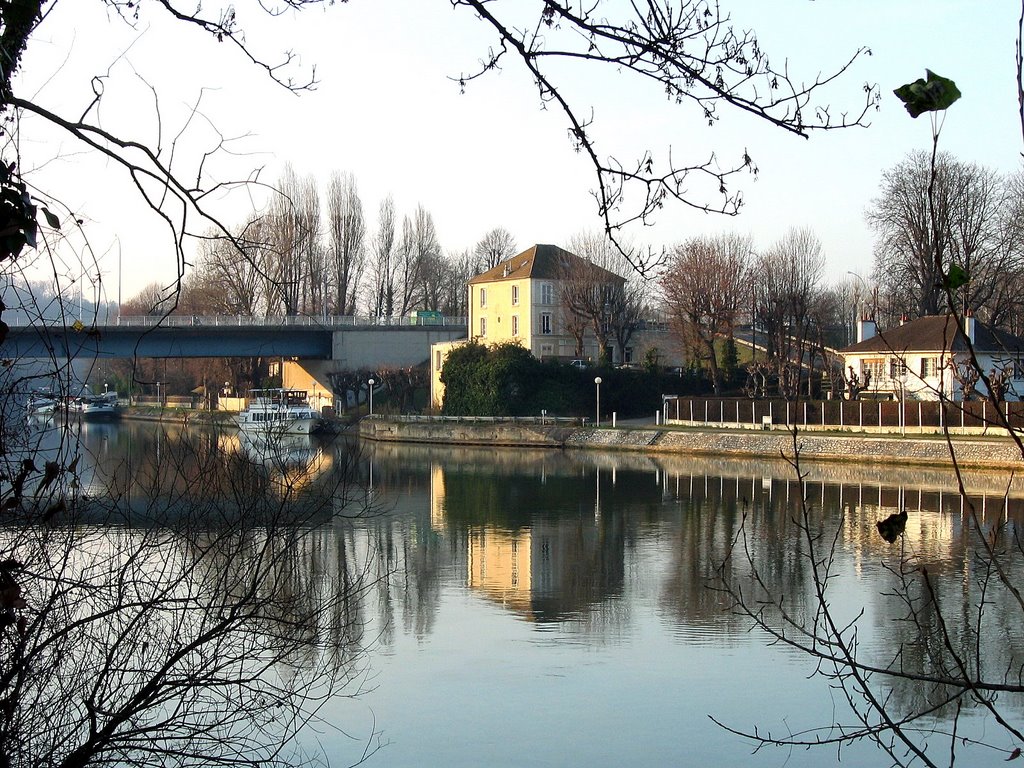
914 416
311 321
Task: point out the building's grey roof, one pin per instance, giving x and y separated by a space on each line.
937 333
541 262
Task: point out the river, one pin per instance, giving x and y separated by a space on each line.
552 608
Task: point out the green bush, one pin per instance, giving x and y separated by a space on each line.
495 381
506 380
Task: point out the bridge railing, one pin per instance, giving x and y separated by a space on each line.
331 321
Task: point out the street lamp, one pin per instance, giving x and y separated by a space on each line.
852 336
371 382
597 382
902 380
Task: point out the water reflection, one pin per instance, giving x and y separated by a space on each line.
605 549
551 534
578 541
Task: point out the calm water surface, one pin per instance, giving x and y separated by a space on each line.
553 608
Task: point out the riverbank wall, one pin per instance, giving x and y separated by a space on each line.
182 416
975 453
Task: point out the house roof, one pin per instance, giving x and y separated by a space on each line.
541 262
937 333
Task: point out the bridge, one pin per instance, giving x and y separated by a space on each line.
342 343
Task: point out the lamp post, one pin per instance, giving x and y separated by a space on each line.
902 379
597 382
371 382
856 304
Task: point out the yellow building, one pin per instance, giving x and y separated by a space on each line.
522 300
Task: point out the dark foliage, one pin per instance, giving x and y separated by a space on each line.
506 380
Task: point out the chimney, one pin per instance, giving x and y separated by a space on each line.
866 329
969 324
904 319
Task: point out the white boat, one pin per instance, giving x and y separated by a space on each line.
41 405
100 407
278 412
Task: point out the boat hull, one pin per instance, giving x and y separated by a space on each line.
296 426
100 414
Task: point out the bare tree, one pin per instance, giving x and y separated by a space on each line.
705 287
417 248
625 302
428 258
165 642
688 50
1004 306
151 300
904 251
407 270
787 282
493 248
232 280
461 268
382 269
346 234
292 232
972 209
436 274
589 294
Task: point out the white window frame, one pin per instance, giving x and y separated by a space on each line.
483 327
877 367
483 298
515 325
515 295
545 324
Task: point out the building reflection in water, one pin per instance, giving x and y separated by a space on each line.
551 537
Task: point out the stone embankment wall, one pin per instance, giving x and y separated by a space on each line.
458 433
995 453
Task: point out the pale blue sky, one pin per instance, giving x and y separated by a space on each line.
386 111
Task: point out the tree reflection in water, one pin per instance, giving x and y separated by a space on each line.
180 603
555 538
578 545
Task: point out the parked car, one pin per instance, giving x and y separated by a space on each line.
581 364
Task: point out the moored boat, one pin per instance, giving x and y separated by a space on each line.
278 412
41 405
100 407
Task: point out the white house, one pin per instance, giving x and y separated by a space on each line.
929 358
